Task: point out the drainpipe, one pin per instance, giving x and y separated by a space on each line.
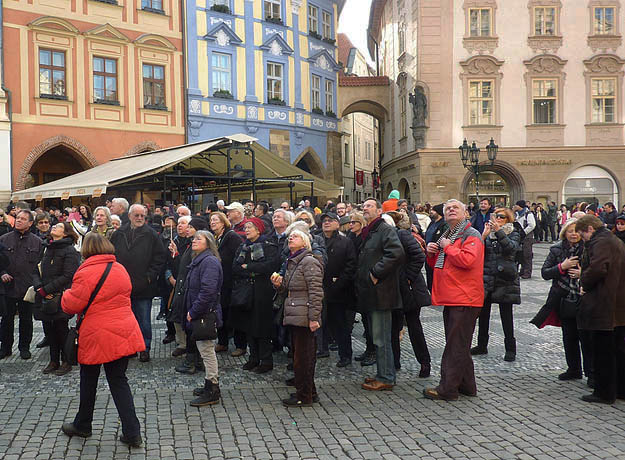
185 95
9 98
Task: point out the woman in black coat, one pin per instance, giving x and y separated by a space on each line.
58 265
228 242
501 279
252 294
414 295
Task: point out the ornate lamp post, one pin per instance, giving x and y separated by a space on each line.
374 181
470 156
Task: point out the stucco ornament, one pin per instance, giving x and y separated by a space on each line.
322 63
276 115
221 38
299 118
295 5
604 64
223 109
195 106
252 112
275 48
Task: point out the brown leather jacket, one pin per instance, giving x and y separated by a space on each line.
303 282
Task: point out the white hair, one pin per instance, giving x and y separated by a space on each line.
388 219
115 217
297 225
304 236
184 219
107 213
136 205
123 202
220 202
183 208
453 200
288 215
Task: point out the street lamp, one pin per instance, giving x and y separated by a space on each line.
470 157
374 180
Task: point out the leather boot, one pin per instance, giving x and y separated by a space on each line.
209 396
188 366
510 344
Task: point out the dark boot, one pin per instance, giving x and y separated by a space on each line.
199 391
188 366
510 344
211 395
44 343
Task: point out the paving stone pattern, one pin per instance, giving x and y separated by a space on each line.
522 411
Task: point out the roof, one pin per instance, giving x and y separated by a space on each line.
373 30
344 46
363 81
119 171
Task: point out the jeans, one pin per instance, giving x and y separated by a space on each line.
507 323
142 308
340 321
207 352
7 324
120 390
381 323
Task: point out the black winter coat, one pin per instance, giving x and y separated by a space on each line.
501 278
557 254
257 319
412 286
4 264
24 252
381 255
5 228
603 305
59 263
177 311
228 246
143 255
338 276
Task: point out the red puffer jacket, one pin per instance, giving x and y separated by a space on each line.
460 282
109 330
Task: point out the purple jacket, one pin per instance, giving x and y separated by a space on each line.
203 286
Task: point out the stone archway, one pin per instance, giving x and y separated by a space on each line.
512 177
388 190
142 147
79 151
404 190
310 162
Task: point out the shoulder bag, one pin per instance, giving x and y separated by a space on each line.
205 327
70 347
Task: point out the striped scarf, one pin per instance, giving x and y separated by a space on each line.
452 234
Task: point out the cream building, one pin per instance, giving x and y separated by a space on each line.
359 132
5 132
543 78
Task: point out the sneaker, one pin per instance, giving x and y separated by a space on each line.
63 369
132 441
479 350
50 368
25 354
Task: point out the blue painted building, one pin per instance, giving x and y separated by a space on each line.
266 68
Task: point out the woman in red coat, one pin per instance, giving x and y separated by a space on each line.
109 333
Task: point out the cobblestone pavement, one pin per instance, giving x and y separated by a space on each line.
522 410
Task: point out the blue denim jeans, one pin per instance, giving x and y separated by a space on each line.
142 308
381 323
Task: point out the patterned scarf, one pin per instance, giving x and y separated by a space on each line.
570 285
452 234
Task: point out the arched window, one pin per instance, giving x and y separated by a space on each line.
591 184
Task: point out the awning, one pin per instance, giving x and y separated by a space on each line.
207 155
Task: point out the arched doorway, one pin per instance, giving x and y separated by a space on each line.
387 190
310 162
501 183
591 184
54 164
404 190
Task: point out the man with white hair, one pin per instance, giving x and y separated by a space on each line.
236 216
183 211
221 206
140 250
119 207
458 262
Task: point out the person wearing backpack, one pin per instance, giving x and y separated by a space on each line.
528 223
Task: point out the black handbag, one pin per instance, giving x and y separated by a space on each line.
204 328
51 306
70 347
242 294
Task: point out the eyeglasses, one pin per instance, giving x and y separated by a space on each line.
41 221
353 222
327 221
284 207
500 216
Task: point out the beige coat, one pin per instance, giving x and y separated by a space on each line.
303 282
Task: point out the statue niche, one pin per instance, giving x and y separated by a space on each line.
419 102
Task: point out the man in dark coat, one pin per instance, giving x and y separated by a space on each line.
609 216
338 279
24 250
435 230
602 309
140 250
377 288
482 216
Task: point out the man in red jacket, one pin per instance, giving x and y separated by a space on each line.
458 262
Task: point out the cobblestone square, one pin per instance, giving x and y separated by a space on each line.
522 411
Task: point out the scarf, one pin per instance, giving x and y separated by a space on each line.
570 285
365 231
255 250
507 229
452 234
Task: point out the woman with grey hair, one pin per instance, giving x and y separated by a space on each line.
116 221
203 285
102 222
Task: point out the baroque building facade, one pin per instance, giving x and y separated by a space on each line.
269 69
5 130
89 81
543 78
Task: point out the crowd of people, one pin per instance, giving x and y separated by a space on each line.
293 278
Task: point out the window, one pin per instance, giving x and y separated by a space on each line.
316 92
401 38
272 9
544 21
51 73
326 22
367 150
603 100
402 116
219 2
481 102
222 72
479 19
603 20
104 79
544 101
329 96
346 160
274 82
313 19
153 85
152 5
